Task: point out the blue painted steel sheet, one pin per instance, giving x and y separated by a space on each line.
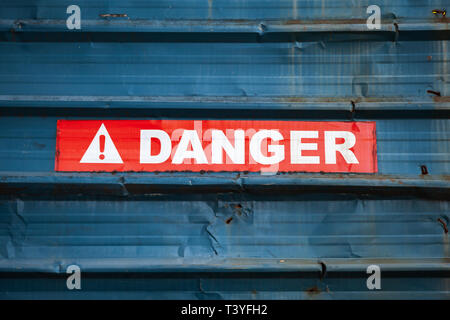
226 235
226 247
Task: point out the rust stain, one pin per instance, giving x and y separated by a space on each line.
424 169
356 100
440 99
238 208
313 290
114 15
444 225
437 93
228 221
324 21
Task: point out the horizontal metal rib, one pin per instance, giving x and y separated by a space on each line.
222 26
177 265
151 183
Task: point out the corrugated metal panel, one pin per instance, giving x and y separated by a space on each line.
144 73
225 235
324 10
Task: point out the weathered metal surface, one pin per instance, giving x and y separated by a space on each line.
225 235
223 9
226 247
91 71
27 145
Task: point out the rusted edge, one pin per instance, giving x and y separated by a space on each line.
113 15
444 225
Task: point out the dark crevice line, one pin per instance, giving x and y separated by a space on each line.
230 37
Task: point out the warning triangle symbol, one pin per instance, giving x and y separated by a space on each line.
101 149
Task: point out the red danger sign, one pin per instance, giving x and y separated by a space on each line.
215 145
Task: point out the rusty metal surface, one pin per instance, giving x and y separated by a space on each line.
226 246
226 235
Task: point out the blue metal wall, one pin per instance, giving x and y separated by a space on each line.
225 235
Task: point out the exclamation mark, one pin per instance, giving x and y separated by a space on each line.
102 147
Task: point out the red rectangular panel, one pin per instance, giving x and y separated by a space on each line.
215 145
